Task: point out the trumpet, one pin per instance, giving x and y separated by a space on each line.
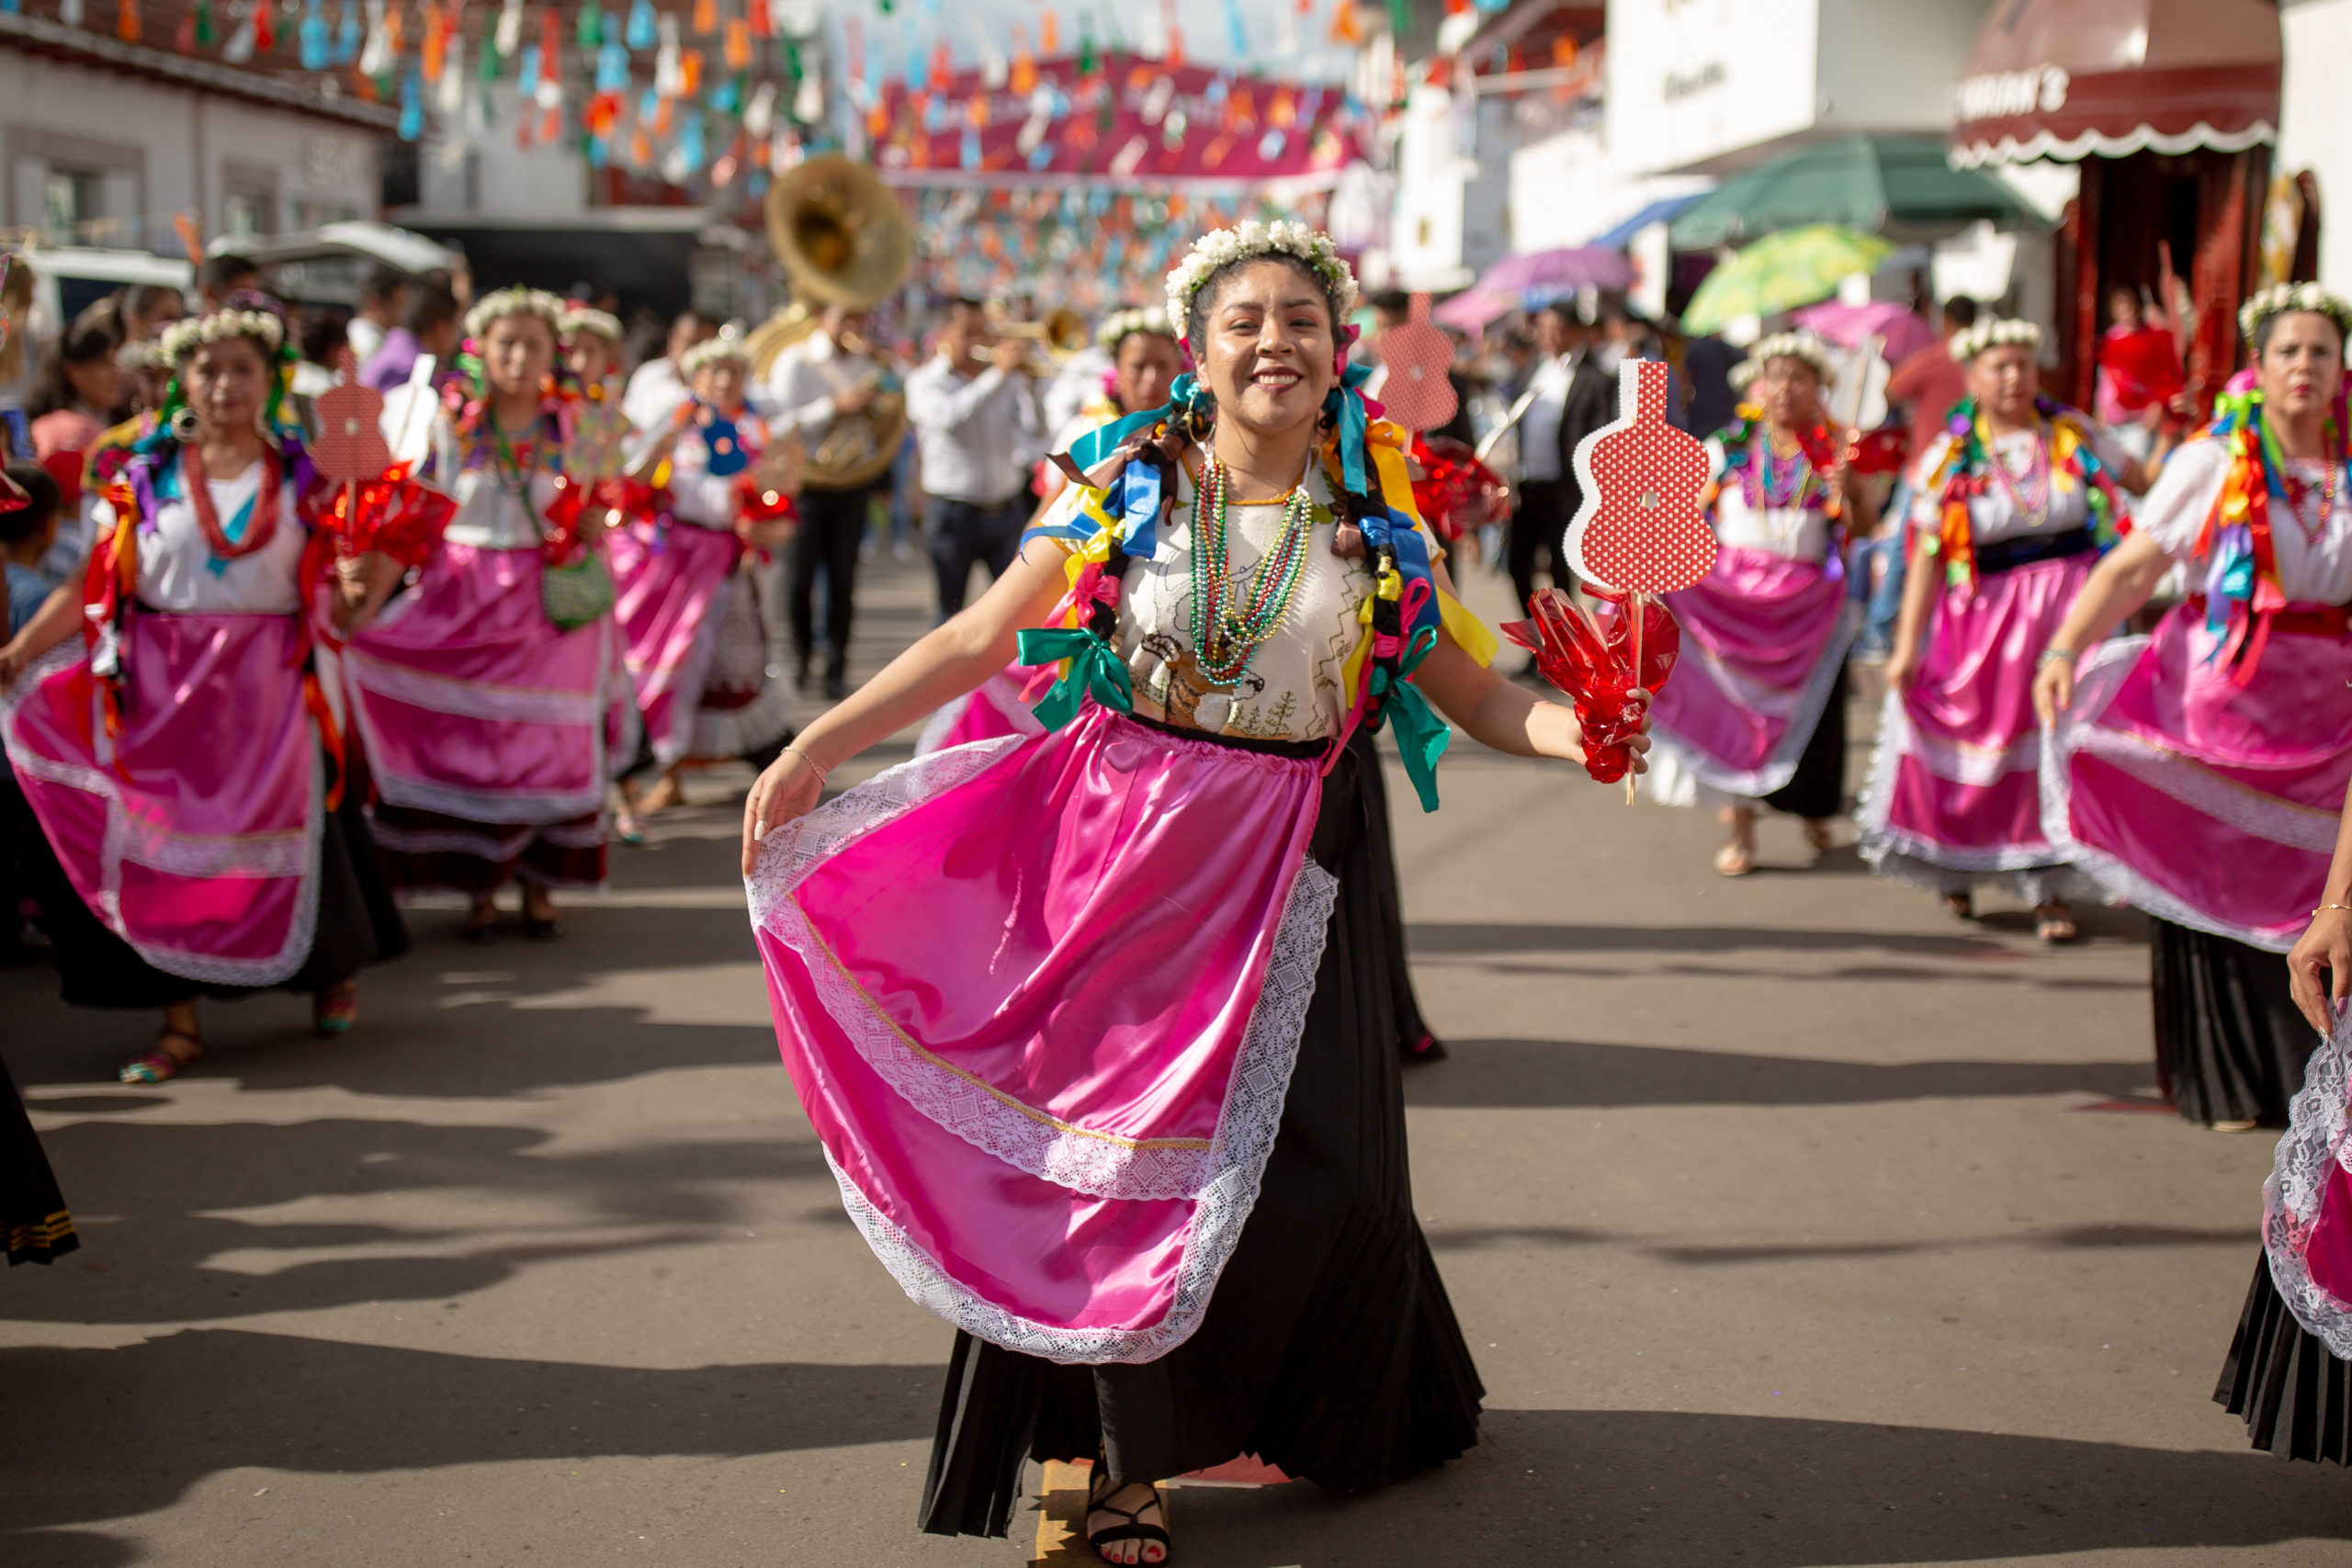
1059 337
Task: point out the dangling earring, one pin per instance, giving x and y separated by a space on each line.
183 425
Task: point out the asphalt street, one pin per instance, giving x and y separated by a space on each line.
1792 1222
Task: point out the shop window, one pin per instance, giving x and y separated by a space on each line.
70 204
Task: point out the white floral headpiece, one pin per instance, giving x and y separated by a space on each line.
1784 346
1992 332
183 338
500 303
1221 248
2281 297
729 345
1121 325
588 319
144 354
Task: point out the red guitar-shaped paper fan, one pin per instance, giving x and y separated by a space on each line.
1415 392
1639 529
375 506
1638 533
351 444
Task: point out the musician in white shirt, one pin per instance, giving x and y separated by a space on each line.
827 375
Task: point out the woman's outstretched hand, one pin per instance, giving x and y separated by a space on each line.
2325 948
786 791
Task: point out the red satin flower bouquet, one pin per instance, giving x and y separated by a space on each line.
1589 655
1456 492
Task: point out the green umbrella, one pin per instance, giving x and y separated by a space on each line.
1780 272
1878 184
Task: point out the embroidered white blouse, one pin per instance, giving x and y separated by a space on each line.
1992 516
2314 556
177 572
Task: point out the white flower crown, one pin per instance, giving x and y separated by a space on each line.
1992 332
1121 325
145 354
500 303
183 338
1784 346
588 319
1220 248
729 345
2281 297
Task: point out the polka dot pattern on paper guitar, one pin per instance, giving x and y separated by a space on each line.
1639 527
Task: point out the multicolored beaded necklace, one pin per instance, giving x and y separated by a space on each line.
1770 482
2029 494
1223 641
2297 491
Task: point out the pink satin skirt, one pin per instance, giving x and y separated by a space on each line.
997 709
669 578
1041 999
1763 638
1954 792
2206 803
472 704
194 835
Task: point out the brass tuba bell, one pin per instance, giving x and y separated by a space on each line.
842 239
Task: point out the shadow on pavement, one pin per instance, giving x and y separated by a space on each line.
1430 938
1521 1073
1677 1488
155 1201
127 1431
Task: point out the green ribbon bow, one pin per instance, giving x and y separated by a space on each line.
1094 667
1421 736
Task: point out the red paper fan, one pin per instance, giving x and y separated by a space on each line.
1639 527
1415 392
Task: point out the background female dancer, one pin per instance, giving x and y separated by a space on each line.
176 852
687 603
2196 772
1760 711
1177 1226
2020 499
491 695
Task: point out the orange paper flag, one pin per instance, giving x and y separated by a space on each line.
1049 33
706 17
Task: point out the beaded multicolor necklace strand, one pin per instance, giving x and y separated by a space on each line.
1771 482
2029 494
1223 641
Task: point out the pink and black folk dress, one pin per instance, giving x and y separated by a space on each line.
688 606
2201 771
1097 1029
1953 797
189 819
492 732
1759 715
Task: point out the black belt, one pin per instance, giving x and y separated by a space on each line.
1303 751
2007 555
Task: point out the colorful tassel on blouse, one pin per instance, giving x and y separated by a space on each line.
1966 471
2242 591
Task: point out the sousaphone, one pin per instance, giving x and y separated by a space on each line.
842 239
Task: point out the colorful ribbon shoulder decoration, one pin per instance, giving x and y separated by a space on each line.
1965 474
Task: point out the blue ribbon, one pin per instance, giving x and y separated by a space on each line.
1344 403
1093 668
1421 736
1097 444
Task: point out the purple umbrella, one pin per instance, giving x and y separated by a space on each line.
1901 332
1547 274
1473 311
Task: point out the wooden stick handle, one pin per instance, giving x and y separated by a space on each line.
1633 602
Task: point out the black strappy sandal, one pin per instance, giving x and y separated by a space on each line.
1135 1528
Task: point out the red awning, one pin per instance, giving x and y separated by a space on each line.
2068 78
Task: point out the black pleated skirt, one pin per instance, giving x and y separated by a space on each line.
32 1213
2231 1046
2296 1395
1328 1350
1817 790
358 923
1415 1041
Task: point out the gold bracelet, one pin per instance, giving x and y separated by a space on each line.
2324 908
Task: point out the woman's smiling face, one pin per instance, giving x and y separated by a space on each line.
1268 346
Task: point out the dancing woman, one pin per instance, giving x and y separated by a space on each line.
687 603
190 827
1175 1225
2196 772
2020 499
1759 715
491 696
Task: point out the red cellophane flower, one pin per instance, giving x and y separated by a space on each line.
393 515
1589 655
1457 492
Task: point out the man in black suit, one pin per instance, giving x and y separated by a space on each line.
1568 398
